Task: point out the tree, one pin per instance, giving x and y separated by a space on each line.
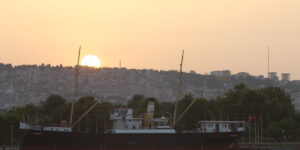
55 110
198 111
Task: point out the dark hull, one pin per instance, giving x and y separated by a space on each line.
43 140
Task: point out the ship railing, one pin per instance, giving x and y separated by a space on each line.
162 127
9 147
140 131
221 130
25 126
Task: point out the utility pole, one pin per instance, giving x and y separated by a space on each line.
11 134
178 89
261 126
268 74
267 119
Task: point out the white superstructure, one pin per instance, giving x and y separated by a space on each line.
26 126
125 122
221 126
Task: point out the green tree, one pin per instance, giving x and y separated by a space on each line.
55 110
198 111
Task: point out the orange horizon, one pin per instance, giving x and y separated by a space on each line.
216 34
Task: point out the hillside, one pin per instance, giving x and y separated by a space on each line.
25 84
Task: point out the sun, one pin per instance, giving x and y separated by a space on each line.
91 61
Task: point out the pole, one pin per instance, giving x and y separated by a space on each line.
11 135
258 132
267 128
268 75
255 134
249 132
261 130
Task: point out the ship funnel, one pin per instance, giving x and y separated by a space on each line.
150 107
149 115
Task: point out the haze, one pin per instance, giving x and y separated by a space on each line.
216 34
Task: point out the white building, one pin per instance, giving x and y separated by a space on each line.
273 76
285 77
242 75
221 73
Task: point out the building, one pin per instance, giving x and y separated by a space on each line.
261 77
221 73
242 75
285 77
273 76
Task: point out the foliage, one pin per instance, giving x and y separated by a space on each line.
54 110
270 106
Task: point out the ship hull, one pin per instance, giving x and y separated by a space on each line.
45 140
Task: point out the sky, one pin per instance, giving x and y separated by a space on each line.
215 34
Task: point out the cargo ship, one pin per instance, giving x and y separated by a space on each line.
135 133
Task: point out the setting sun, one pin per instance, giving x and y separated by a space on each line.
91 61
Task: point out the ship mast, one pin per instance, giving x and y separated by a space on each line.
178 89
175 120
75 92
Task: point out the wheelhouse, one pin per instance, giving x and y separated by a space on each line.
221 126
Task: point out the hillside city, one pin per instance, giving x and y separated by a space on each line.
26 84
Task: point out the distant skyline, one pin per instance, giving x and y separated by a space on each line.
215 34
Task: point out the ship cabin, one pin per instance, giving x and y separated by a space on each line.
221 126
123 119
125 122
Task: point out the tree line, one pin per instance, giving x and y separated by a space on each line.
268 110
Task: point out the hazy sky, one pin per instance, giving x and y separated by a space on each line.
216 34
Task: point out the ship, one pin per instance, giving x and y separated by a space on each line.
135 133
129 132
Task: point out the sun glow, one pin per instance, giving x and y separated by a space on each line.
91 61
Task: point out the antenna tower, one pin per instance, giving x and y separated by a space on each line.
268 74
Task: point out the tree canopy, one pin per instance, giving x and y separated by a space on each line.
271 106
